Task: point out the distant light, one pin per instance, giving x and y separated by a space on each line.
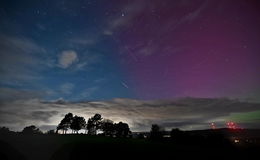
236 140
212 125
232 125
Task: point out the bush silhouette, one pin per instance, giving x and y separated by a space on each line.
31 130
122 129
156 132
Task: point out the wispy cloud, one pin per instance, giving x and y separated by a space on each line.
67 88
9 94
191 16
82 41
21 59
153 41
88 92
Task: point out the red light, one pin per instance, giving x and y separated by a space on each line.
212 125
232 125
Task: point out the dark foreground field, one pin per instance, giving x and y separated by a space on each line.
64 147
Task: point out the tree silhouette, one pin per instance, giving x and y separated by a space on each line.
122 129
4 131
78 123
108 128
31 130
156 132
177 134
65 123
94 123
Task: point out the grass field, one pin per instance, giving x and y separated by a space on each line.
50 147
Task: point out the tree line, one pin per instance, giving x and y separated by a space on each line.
110 129
94 124
76 123
101 126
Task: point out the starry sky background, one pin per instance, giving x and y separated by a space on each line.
150 57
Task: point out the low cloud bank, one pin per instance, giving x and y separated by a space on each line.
184 113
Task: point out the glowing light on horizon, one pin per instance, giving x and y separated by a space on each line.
213 126
232 125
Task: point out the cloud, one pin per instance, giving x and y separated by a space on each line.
21 60
47 127
43 115
66 88
80 66
7 94
82 41
88 92
78 61
108 32
184 113
67 58
22 44
194 14
152 42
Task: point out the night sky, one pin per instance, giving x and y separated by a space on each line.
183 63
